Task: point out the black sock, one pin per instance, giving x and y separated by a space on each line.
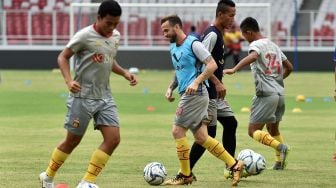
197 150
229 133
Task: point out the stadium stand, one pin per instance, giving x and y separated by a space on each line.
45 21
325 24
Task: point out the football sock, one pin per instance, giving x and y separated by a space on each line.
217 149
197 150
195 154
229 133
97 163
183 149
277 153
266 139
57 159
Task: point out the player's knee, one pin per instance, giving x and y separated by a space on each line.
251 130
229 123
200 139
273 129
233 122
114 142
212 131
273 132
175 133
69 144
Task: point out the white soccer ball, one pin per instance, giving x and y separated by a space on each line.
87 185
154 173
254 162
134 70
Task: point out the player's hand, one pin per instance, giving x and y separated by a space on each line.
169 95
97 58
74 86
192 88
229 71
221 91
131 78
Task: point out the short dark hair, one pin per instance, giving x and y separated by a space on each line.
193 28
109 7
173 20
223 5
249 23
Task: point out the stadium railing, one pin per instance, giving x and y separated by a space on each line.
22 27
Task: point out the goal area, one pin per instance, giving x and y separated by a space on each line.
140 22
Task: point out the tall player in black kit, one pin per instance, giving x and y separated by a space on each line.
219 108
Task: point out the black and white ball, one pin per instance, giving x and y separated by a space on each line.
154 173
254 162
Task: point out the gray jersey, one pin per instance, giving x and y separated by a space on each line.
92 76
267 69
210 40
200 51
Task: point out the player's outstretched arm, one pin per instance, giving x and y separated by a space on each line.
252 57
116 68
288 68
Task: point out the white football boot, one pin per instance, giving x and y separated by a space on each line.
46 181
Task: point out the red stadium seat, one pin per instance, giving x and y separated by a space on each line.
120 28
202 25
42 4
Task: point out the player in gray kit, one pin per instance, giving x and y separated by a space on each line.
95 49
269 66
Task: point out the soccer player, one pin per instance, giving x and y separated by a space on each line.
187 53
218 108
95 48
269 66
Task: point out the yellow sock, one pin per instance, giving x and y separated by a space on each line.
97 163
277 153
57 159
217 149
266 139
183 150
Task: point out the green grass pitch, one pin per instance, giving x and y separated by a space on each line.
32 111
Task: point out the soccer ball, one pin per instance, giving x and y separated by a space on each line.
87 185
134 70
254 162
154 173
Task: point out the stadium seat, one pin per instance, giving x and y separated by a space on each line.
202 25
325 22
143 24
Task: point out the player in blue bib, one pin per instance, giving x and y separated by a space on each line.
186 53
